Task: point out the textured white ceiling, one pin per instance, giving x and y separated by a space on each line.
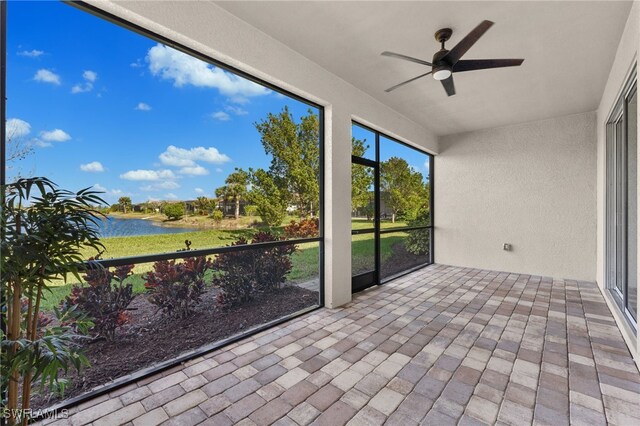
568 49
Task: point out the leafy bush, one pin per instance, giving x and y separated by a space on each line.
173 211
250 210
418 241
243 274
305 228
217 216
105 299
177 288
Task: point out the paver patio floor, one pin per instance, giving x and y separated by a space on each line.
443 345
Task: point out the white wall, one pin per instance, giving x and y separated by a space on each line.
212 31
531 185
626 56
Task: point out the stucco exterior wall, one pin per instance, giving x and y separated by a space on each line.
532 186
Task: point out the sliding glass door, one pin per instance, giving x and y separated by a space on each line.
622 203
391 197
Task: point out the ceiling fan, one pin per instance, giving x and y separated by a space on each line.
446 62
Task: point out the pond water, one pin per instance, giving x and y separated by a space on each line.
119 227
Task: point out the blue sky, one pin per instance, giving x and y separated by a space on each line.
104 106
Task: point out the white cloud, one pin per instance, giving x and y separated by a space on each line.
219 170
171 196
199 191
55 135
181 157
92 167
42 144
171 64
150 175
236 110
168 184
426 164
31 53
194 171
89 77
16 128
46 76
143 107
116 192
221 116
99 187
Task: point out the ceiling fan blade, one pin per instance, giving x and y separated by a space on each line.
465 44
483 64
406 58
406 82
448 85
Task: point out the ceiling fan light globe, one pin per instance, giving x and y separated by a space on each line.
442 74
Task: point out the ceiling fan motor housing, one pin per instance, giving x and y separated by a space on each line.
441 68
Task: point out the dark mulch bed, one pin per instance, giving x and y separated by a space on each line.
400 260
151 338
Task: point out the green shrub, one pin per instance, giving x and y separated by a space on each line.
271 215
244 274
174 211
217 216
418 241
250 210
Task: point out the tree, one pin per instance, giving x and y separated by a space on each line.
401 188
202 205
361 178
295 162
270 203
17 146
235 189
124 202
173 211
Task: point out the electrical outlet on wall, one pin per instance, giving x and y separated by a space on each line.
506 247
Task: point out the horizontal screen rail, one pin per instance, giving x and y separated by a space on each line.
130 260
390 230
406 228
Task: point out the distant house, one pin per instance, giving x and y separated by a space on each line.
228 207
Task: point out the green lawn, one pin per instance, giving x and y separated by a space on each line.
305 260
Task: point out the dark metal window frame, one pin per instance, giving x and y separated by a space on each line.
162 366
616 204
368 279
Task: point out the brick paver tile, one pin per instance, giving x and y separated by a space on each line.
162 397
244 407
95 412
326 396
185 402
152 418
386 401
304 413
121 416
270 412
214 405
337 414
368 416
